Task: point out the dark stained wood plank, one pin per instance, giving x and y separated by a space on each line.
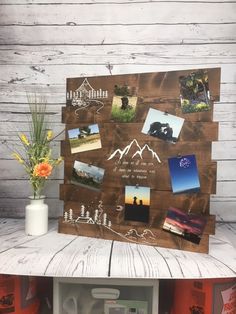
149 84
157 215
152 89
191 131
171 106
119 233
156 176
202 150
166 84
75 196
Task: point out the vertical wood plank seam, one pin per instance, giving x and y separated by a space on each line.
177 262
55 254
146 262
166 262
110 260
198 268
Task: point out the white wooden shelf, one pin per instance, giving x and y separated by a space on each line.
61 255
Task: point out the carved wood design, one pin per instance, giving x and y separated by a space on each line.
153 90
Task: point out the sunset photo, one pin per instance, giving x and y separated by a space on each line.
137 203
188 226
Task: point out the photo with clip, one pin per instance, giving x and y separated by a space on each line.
188 226
87 175
137 203
162 125
184 174
124 104
194 92
84 139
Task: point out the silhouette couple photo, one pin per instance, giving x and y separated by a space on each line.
162 125
137 203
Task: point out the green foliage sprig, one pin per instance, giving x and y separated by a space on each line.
36 154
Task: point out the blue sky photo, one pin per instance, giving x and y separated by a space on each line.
159 116
73 133
184 174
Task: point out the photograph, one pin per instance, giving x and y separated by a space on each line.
84 139
184 174
194 92
162 125
87 175
137 203
188 226
123 108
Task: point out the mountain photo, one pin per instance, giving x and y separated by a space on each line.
87 175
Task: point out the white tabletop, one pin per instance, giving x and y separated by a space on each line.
62 255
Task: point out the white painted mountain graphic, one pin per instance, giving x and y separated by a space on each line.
139 151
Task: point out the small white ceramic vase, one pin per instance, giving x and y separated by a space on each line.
36 217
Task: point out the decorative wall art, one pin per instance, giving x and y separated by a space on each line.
124 134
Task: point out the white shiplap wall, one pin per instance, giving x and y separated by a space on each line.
42 42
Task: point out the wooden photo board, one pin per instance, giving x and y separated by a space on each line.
122 134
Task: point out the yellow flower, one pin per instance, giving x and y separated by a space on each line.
24 139
45 159
18 158
49 135
58 161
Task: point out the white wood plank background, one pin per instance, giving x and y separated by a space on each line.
43 42
63 255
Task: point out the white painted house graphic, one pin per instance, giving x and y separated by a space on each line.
86 91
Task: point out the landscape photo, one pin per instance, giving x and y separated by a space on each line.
162 125
137 203
84 139
87 175
188 226
194 92
184 174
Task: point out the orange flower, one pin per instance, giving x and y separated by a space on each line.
42 170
